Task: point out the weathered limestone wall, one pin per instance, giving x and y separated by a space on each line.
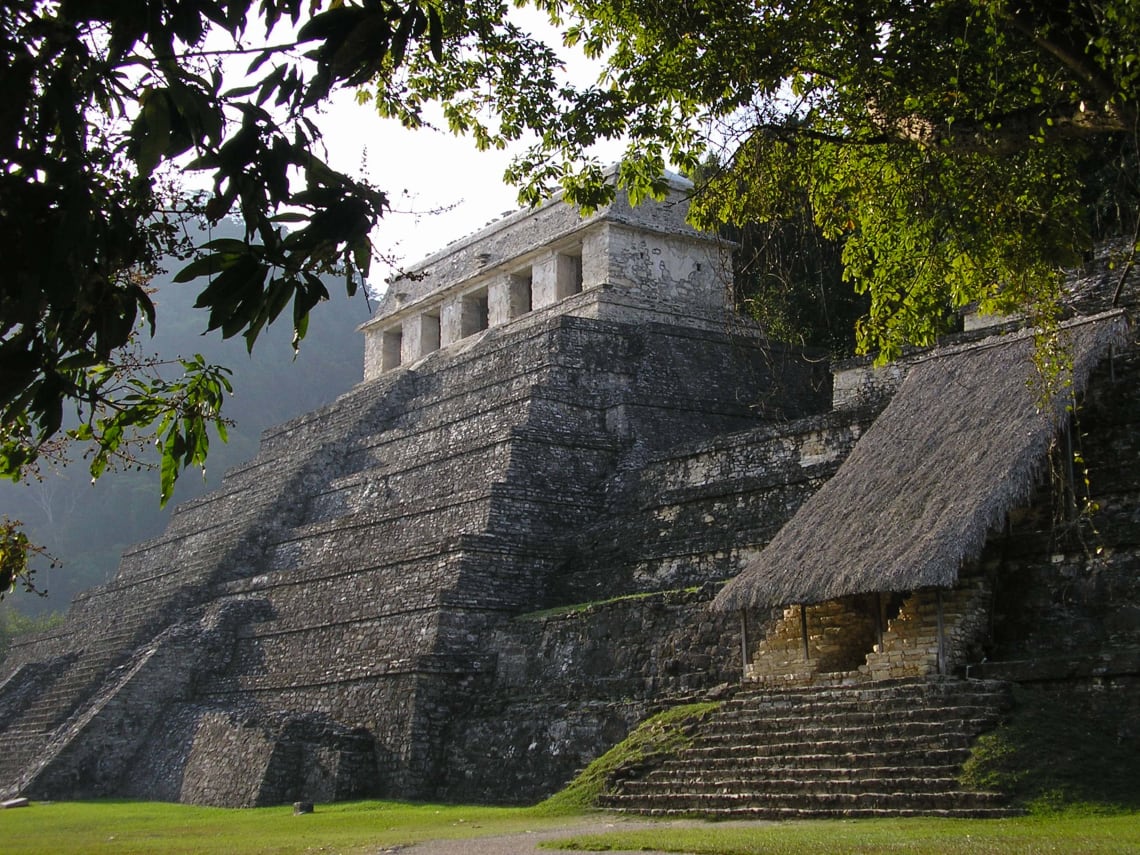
566 686
839 635
910 645
96 746
698 512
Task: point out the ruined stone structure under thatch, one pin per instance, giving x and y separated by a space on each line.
420 591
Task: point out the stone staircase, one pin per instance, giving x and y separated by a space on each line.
880 749
66 690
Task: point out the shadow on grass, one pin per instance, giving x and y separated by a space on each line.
1072 752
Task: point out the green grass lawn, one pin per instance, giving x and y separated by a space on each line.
149 827
1064 833
60 828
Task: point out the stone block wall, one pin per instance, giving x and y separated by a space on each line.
569 685
1067 582
246 762
698 512
839 635
910 645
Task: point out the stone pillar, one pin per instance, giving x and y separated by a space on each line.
373 353
510 296
499 301
595 257
421 336
410 343
450 321
555 277
544 281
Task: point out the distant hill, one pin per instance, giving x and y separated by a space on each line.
87 526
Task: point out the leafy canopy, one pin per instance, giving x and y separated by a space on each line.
954 148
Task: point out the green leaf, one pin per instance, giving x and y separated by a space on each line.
150 136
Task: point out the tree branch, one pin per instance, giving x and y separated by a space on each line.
1073 59
1006 133
284 47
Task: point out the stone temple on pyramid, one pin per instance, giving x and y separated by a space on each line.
479 568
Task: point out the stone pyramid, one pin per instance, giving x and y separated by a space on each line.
317 626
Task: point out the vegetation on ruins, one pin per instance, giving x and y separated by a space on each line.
1052 755
646 745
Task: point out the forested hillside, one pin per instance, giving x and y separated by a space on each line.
87 526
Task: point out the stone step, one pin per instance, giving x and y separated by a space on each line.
918 730
883 706
781 814
26 738
20 751
811 801
885 749
758 784
884 691
946 761
758 749
749 718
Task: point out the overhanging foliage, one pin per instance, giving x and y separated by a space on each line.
955 148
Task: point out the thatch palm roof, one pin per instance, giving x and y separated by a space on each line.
960 444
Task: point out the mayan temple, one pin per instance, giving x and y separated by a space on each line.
483 565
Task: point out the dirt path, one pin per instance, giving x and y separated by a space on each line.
525 843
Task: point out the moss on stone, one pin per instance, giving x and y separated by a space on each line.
657 737
581 608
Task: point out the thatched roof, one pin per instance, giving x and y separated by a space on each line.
960 444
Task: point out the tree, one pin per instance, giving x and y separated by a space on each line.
954 148
788 278
107 103
88 525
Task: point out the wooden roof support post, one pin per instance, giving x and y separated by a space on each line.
744 656
941 636
879 619
804 632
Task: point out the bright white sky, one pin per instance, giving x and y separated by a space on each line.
422 171
426 170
